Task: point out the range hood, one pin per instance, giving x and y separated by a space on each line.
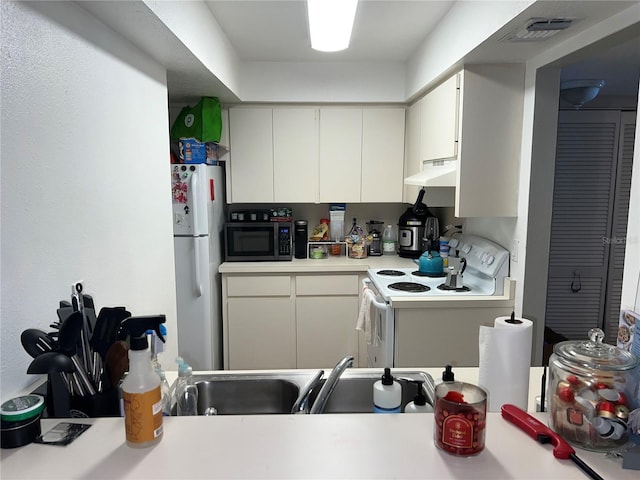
435 174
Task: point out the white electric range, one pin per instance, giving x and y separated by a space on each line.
487 267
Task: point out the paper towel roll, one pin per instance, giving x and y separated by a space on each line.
505 359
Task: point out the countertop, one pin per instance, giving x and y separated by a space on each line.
325 265
365 446
343 264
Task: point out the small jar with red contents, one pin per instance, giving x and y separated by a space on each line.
460 418
591 393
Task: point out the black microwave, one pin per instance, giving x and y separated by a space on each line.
257 241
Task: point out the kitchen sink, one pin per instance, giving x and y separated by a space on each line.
354 391
247 397
253 393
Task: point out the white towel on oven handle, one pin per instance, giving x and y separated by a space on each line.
365 321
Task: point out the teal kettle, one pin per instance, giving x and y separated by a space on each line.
430 263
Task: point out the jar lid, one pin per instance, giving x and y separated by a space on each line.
593 353
22 408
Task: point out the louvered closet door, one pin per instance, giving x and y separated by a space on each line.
585 173
620 219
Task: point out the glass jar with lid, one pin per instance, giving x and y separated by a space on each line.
590 388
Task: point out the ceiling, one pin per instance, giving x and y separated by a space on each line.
387 33
392 30
278 31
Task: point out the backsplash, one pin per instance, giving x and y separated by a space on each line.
363 212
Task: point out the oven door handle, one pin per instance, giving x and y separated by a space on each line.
366 283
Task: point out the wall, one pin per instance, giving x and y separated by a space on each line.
531 229
631 279
322 82
389 213
85 190
194 25
466 25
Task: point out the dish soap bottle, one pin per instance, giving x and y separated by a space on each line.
387 394
157 346
141 391
186 391
388 241
419 404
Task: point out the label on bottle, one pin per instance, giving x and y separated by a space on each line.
389 247
143 415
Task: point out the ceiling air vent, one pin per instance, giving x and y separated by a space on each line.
538 30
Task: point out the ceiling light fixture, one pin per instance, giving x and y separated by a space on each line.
579 92
330 23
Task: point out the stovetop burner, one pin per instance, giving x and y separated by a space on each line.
409 287
464 288
390 273
418 273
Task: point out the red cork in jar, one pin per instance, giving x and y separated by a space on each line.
460 416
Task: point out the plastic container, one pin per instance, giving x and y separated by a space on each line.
21 420
141 390
357 243
460 416
157 346
336 226
389 241
186 391
318 250
419 403
387 394
589 391
444 251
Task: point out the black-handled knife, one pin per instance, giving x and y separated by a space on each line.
543 434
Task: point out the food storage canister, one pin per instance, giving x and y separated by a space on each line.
589 392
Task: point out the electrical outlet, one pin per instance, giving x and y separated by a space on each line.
515 247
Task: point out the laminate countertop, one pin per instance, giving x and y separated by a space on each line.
330 264
355 446
345 265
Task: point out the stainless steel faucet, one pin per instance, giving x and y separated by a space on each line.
330 384
301 404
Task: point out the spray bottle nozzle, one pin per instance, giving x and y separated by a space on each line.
183 367
137 328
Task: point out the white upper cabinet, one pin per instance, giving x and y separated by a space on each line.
439 121
295 155
382 154
361 154
469 141
251 157
492 98
434 196
340 154
312 154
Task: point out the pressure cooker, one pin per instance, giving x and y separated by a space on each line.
411 228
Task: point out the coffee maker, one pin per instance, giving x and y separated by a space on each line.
373 229
411 228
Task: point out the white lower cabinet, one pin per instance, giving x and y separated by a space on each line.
260 333
258 325
326 313
435 337
284 321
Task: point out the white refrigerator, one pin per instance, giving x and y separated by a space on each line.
198 220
